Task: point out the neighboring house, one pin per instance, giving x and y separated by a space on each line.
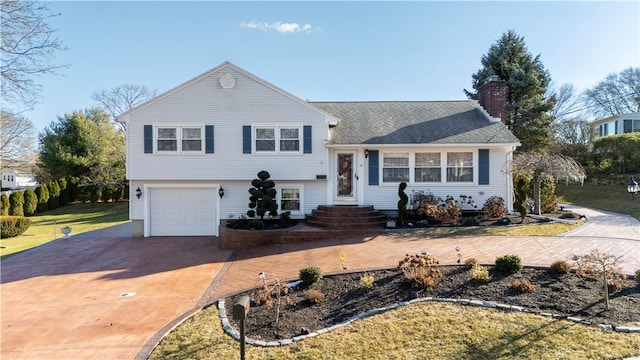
617 124
193 151
14 180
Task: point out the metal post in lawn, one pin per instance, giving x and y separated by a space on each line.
240 311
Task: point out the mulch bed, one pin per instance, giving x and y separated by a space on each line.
566 295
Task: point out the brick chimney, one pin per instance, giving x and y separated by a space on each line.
492 96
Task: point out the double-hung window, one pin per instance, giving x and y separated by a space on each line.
277 139
289 198
395 167
459 167
427 167
176 139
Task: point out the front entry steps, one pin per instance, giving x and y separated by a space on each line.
328 221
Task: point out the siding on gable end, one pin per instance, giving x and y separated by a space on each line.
307 139
483 167
148 139
208 139
374 178
246 139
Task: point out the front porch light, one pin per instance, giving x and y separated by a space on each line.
138 193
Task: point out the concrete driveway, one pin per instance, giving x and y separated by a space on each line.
104 295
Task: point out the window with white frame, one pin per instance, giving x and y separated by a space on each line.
290 199
395 167
459 167
427 167
277 139
174 139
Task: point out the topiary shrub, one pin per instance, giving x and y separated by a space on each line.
560 267
509 263
43 198
310 275
263 195
403 214
420 270
4 200
494 207
30 202
16 203
520 185
12 226
522 286
480 274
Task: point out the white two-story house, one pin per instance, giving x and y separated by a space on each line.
193 151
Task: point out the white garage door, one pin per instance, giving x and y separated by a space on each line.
182 211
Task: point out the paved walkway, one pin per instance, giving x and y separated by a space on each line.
103 295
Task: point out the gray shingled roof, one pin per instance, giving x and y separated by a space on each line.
413 122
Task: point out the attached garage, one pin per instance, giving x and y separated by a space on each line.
181 211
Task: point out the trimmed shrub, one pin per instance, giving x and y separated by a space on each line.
403 214
366 281
509 263
522 286
54 195
16 202
310 275
30 202
313 296
470 263
263 195
64 192
4 200
256 224
560 267
43 198
494 207
13 226
420 270
480 274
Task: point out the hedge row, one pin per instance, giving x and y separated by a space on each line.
56 193
13 226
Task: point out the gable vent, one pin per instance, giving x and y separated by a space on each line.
227 81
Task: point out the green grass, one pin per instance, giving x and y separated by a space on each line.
419 331
604 197
80 217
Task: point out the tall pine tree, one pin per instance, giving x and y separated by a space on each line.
528 109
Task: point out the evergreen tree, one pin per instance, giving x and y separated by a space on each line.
30 202
16 199
54 195
528 108
4 200
43 198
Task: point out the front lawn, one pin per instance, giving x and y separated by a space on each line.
80 217
604 197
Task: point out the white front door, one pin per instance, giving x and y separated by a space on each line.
346 177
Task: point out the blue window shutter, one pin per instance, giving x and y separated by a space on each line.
307 139
148 139
483 167
246 139
208 139
374 178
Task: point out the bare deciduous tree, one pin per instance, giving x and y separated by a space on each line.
17 141
603 265
539 164
28 44
616 94
122 98
567 101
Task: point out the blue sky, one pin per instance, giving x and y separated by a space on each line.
328 50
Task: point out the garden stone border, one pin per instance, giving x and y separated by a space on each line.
468 302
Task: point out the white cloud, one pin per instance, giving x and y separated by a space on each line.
281 27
